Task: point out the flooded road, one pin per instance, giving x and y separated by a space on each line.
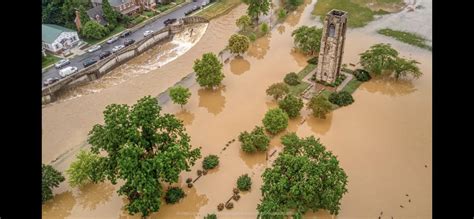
383 140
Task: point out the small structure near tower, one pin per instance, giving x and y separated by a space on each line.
332 46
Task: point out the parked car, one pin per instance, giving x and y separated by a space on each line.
128 42
169 21
50 81
89 62
126 33
147 33
62 63
67 71
112 40
104 55
117 48
94 48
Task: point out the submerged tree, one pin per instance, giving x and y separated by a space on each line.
320 106
144 149
243 22
307 39
256 140
304 177
238 44
378 58
180 95
208 70
403 67
257 7
278 90
50 178
291 105
275 120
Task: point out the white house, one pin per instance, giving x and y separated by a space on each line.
56 38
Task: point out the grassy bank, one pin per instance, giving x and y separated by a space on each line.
298 89
219 8
48 60
406 37
360 13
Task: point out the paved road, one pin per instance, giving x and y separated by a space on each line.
137 35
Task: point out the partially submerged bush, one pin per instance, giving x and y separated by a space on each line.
220 207
210 216
292 79
210 162
342 98
244 183
313 60
173 195
362 75
229 205
255 140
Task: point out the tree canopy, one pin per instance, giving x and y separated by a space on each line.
378 58
109 13
180 95
256 140
320 106
94 30
50 178
305 176
257 7
291 105
143 148
238 44
307 39
208 70
278 90
404 67
275 120
243 22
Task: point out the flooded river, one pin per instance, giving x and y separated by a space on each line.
383 140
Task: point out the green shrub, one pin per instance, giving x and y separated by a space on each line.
50 178
292 79
210 162
313 60
342 98
275 120
252 37
254 141
264 27
173 195
244 182
362 75
281 14
291 105
210 216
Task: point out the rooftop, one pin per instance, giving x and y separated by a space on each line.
49 32
337 12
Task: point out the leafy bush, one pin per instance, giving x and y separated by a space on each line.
275 120
264 27
244 183
254 141
137 20
173 195
313 60
278 90
281 14
210 162
292 79
342 98
336 83
252 37
210 216
320 106
291 105
362 75
50 178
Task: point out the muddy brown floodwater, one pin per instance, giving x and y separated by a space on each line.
383 140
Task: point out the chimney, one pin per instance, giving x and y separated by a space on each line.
77 20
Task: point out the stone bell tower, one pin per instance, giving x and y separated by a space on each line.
332 46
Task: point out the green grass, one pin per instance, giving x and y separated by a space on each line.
48 60
352 85
406 37
359 13
219 8
163 8
117 29
149 13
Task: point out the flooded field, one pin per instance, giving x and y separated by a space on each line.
383 140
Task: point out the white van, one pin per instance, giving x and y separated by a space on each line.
67 71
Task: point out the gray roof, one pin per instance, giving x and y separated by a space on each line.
50 32
97 10
114 3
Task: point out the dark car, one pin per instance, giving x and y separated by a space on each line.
169 21
50 81
104 55
89 62
126 33
128 42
